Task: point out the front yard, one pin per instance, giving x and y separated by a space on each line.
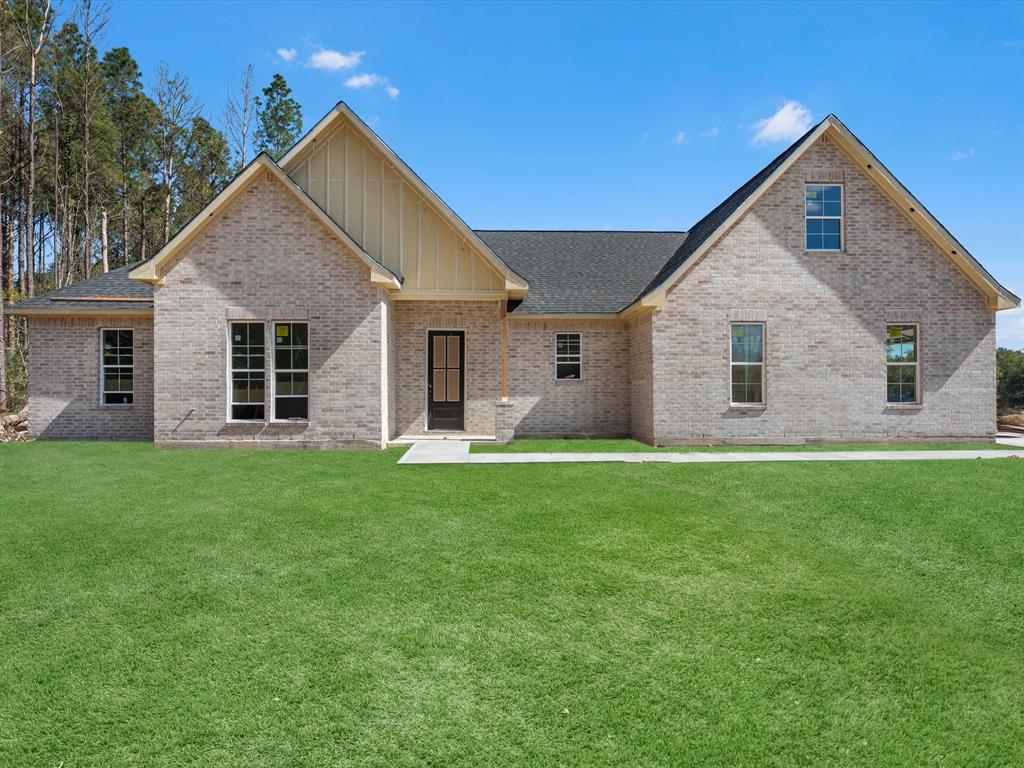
168 608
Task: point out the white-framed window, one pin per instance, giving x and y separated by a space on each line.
823 217
117 366
568 356
747 363
291 371
247 378
901 363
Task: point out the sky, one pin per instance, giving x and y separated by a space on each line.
637 116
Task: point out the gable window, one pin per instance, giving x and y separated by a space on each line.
747 363
248 371
901 363
117 377
823 215
568 356
291 371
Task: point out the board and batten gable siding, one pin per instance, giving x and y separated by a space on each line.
64 380
388 217
266 257
595 405
825 316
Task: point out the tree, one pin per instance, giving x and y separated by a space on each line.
177 110
278 119
133 114
205 169
239 113
1009 379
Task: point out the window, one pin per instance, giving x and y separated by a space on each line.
901 363
823 210
248 374
291 371
117 377
568 360
747 363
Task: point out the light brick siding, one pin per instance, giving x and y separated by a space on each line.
641 372
825 316
596 405
481 322
267 258
64 380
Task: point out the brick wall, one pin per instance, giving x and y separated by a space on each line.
596 405
641 372
825 316
64 380
481 322
268 258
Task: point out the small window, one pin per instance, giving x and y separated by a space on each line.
823 211
901 363
747 364
248 372
117 377
568 359
291 371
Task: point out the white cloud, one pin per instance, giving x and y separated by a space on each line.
332 61
790 122
960 154
680 137
372 80
711 133
288 54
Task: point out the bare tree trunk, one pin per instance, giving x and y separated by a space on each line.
103 237
34 49
20 188
238 116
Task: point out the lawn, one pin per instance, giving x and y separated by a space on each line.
635 446
169 608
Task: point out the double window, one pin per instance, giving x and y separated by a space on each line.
248 377
901 380
568 356
823 215
117 374
747 363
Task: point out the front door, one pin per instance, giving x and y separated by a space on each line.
446 377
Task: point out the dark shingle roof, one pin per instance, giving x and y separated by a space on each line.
704 228
581 272
114 283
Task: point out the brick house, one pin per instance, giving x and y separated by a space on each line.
332 299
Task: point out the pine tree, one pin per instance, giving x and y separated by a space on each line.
278 119
205 169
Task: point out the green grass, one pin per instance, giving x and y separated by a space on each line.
635 446
170 608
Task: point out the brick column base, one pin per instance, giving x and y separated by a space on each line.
504 430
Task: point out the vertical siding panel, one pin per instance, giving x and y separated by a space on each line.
445 258
391 221
318 177
354 186
371 234
336 177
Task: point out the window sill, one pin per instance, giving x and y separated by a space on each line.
246 422
115 406
569 381
748 407
289 422
903 406
823 250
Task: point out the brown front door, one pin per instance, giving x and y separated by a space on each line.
446 378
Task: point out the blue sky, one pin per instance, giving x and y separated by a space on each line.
635 116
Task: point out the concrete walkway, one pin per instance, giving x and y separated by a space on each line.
457 452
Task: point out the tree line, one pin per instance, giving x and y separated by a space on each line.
99 168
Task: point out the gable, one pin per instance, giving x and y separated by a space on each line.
709 230
391 213
152 271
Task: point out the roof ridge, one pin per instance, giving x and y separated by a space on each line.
594 231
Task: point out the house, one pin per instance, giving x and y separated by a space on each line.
332 298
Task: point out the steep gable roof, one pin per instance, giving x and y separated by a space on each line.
342 112
709 229
150 271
